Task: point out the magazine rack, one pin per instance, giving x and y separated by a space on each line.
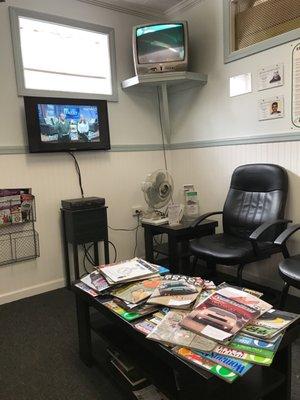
18 239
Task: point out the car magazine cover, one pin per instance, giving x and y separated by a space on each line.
240 367
270 323
169 331
177 291
242 355
245 298
137 292
222 372
219 318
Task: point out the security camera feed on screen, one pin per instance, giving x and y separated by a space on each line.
63 123
160 43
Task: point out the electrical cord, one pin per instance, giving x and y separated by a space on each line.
115 250
136 236
77 168
162 131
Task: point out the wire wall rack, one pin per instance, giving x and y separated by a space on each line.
19 240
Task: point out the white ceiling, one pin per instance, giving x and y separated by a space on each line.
161 5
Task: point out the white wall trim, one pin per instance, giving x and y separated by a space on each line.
31 291
184 5
127 8
141 11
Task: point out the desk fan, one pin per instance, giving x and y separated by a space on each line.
158 190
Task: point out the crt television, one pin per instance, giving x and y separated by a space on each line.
160 47
55 124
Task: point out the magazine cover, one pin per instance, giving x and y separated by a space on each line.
270 323
86 289
129 270
240 367
245 298
244 289
219 318
137 292
252 350
95 281
260 344
177 291
242 355
202 362
169 331
129 315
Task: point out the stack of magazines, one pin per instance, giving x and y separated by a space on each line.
223 329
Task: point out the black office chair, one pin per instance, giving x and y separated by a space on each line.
252 218
289 268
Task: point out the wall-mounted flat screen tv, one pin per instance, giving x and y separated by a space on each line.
66 124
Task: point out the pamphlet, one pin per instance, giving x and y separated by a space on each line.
129 315
86 289
259 343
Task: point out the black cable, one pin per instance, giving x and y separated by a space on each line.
136 236
77 168
115 250
162 131
87 254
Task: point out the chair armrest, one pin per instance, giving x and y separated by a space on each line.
203 217
255 235
283 237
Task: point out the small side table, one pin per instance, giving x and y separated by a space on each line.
177 248
82 227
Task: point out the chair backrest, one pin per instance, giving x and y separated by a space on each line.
257 194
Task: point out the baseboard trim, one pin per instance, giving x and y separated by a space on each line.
31 291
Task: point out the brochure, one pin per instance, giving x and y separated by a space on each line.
169 331
252 350
219 318
222 372
242 355
177 291
240 367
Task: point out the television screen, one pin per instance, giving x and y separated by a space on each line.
160 43
66 124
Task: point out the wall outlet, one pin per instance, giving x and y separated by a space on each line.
136 210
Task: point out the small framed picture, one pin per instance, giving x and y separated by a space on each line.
271 108
271 76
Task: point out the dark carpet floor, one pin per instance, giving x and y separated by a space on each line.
39 354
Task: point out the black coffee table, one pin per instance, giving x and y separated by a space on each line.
175 377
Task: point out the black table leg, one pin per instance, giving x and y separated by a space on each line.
173 254
96 253
66 254
148 245
76 262
283 363
84 331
